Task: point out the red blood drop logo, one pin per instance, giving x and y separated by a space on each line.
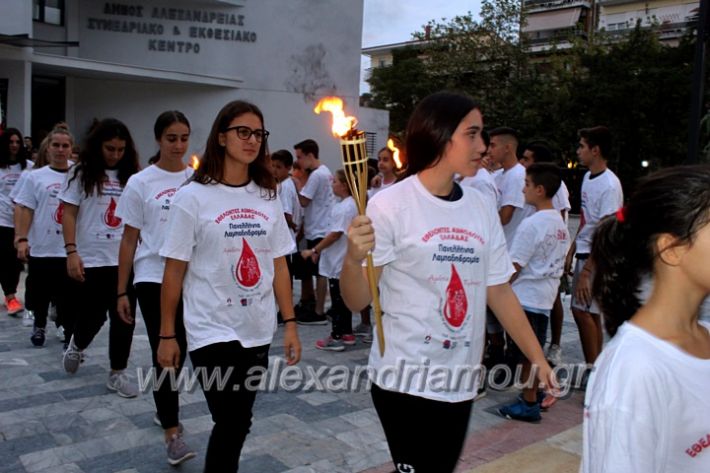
248 272
110 218
59 213
456 302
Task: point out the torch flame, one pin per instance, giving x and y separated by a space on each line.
194 162
395 153
341 123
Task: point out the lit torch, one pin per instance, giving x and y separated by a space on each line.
194 162
395 153
354 157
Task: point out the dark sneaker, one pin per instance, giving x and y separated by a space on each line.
362 330
304 308
178 451
520 410
311 319
330 344
37 337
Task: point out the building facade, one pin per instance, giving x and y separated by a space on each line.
79 60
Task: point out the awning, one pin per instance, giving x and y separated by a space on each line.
24 41
552 20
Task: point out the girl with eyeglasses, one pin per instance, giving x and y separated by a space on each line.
224 250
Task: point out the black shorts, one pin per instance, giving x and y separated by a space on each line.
538 323
311 268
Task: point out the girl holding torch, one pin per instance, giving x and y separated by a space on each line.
440 256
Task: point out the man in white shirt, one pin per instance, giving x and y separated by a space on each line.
316 198
601 196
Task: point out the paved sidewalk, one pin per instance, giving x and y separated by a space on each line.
53 422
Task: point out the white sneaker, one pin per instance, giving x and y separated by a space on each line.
72 357
28 319
120 383
554 355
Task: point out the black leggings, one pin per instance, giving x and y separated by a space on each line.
10 266
47 281
166 398
230 404
91 300
423 435
341 315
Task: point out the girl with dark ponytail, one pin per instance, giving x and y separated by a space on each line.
647 404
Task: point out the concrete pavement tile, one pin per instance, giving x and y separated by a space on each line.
536 458
317 398
21 429
570 441
361 418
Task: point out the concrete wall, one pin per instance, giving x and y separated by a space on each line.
16 17
286 116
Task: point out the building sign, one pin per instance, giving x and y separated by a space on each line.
172 30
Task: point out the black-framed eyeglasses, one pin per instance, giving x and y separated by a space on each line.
244 133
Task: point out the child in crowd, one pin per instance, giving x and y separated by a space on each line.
387 171
144 207
647 408
538 253
224 253
538 152
13 161
92 236
39 238
434 285
282 164
331 252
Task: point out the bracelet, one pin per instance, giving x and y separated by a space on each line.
292 319
121 295
70 244
21 240
70 252
167 337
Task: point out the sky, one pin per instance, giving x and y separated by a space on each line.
394 21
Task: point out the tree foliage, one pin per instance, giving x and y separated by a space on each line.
636 86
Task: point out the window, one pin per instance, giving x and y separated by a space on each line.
48 11
371 139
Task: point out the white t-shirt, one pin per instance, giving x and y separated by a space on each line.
98 229
438 258
484 183
510 187
331 258
9 178
39 192
230 236
290 203
319 189
647 408
540 247
601 196
384 185
144 205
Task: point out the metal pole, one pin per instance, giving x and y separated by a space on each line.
697 90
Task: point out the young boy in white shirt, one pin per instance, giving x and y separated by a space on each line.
538 254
